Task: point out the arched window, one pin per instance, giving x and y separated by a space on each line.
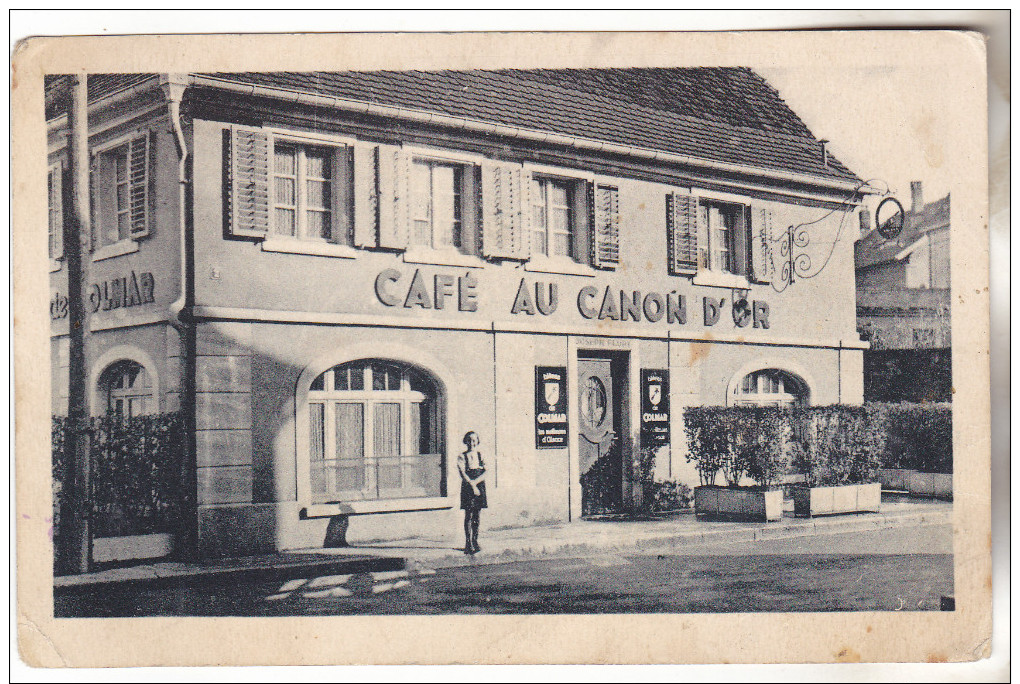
770 387
127 389
374 433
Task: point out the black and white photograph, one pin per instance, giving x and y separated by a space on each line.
653 338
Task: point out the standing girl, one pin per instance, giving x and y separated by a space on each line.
472 490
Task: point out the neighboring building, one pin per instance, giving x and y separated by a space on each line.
903 306
351 270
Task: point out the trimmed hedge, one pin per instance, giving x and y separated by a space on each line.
136 472
738 442
829 445
920 437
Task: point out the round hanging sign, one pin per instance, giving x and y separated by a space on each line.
890 226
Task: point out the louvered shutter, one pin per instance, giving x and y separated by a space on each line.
761 244
56 212
366 196
247 181
682 233
504 232
393 166
604 213
138 182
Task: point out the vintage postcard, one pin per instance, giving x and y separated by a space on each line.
502 348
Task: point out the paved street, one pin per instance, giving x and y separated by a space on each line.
906 568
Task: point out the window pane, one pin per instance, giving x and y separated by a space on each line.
318 194
386 428
561 244
357 376
285 221
558 195
318 384
285 191
286 160
318 224
317 429
121 162
123 226
414 430
123 196
538 216
444 199
350 430
421 233
317 163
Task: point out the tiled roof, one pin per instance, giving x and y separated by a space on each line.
719 114
874 249
100 85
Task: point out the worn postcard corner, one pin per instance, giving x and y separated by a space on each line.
661 345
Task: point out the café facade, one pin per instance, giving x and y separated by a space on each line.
338 275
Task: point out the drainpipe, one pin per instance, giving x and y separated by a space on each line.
173 86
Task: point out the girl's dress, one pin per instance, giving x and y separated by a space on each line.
473 466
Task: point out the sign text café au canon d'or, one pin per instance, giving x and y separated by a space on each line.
444 291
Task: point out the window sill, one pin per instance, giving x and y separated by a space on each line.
329 510
730 281
115 250
56 265
437 257
325 249
562 266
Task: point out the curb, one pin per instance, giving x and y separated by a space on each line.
333 565
805 528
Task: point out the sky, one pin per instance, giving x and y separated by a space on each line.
883 123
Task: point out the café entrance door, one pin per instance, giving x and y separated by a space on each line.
600 384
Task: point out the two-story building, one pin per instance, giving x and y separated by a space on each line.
340 274
904 303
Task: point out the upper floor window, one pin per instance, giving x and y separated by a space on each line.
552 218
120 180
438 198
114 196
54 192
303 192
724 227
127 389
721 243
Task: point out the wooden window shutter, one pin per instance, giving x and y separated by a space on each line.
604 219
366 196
247 181
762 267
682 233
138 177
56 213
393 166
504 230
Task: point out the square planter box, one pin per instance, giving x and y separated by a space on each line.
859 498
742 504
931 485
895 478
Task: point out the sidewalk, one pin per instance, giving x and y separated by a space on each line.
581 537
585 537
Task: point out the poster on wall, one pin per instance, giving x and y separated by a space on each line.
654 407
550 407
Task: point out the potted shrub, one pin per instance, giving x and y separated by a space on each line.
839 450
660 496
741 443
925 433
